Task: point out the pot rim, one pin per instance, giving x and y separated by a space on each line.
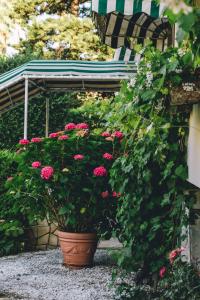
75 235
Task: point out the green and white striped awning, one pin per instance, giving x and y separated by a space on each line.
129 22
61 75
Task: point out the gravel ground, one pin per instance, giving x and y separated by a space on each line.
41 275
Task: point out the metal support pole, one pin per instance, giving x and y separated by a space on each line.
47 118
26 110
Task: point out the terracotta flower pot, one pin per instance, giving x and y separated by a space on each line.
78 248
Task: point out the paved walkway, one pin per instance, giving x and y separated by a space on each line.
42 276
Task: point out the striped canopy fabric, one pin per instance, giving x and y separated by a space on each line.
129 22
61 75
126 55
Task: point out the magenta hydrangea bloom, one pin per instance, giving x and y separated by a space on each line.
70 126
36 164
24 142
82 126
116 195
105 194
118 134
63 137
53 135
100 171
78 157
162 272
108 156
36 140
47 172
105 134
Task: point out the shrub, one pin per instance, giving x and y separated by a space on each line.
67 177
11 222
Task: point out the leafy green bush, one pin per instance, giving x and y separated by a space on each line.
11 226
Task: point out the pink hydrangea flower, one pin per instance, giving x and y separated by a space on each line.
100 171
108 156
36 164
105 134
116 195
78 157
82 126
118 134
174 253
63 137
36 140
70 126
162 272
54 135
24 142
105 194
47 172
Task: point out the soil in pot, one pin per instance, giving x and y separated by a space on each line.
78 249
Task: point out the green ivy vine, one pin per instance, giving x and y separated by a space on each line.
152 174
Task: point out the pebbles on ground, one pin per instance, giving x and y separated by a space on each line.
42 276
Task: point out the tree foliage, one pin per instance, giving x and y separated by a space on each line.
66 37
23 11
6 25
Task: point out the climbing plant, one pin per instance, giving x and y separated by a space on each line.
152 174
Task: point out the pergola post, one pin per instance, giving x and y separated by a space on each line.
26 110
47 118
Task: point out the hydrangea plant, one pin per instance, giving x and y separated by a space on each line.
66 176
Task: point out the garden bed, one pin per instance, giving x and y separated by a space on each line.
41 275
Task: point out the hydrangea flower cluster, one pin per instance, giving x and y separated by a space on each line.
24 142
108 156
36 164
54 135
47 173
73 126
78 157
63 137
105 194
105 134
70 126
100 171
36 140
172 256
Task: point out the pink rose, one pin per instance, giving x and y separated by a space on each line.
105 194
116 195
82 126
47 173
24 142
78 157
36 164
162 272
118 134
108 156
100 171
70 126
36 140
174 253
105 134
63 137
53 135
